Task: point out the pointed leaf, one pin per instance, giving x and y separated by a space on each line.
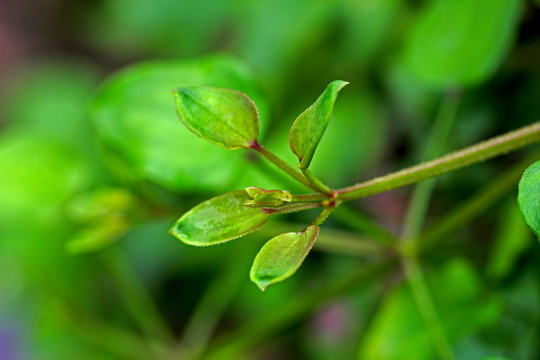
219 219
281 256
308 128
227 118
529 197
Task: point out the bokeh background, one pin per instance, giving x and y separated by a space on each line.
95 167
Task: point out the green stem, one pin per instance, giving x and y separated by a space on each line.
308 198
420 291
292 208
438 138
323 188
324 214
482 151
476 204
138 302
281 164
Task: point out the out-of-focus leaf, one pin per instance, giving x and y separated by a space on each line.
146 27
224 117
398 327
219 219
99 203
368 25
512 238
135 119
59 92
37 176
309 127
97 236
529 197
281 256
461 42
273 35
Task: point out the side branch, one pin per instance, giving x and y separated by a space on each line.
482 151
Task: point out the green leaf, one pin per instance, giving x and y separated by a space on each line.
308 128
281 256
224 117
100 203
452 44
98 235
529 197
136 122
38 174
219 219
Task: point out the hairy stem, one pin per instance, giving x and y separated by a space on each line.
292 208
477 204
324 214
482 151
323 188
281 164
309 198
413 226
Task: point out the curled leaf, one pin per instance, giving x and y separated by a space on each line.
227 118
281 256
529 197
219 219
309 127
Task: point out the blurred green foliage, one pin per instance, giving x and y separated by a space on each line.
103 172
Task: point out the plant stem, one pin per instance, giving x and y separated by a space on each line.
309 198
323 188
476 204
138 302
292 208
470 155
413 226
281 164
438 138
419 289
324 214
